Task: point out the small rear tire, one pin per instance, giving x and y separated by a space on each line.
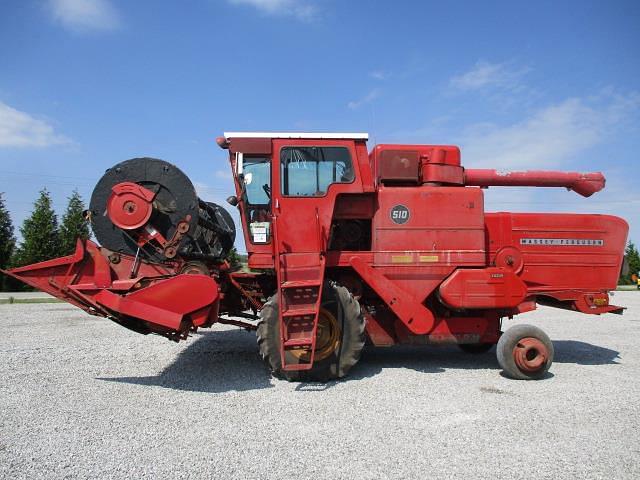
525 352
475 348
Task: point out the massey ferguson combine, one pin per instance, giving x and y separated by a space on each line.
345 247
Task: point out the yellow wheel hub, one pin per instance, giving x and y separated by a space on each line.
327 338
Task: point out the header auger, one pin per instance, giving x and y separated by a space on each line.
345 246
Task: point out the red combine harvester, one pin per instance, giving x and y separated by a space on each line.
345 247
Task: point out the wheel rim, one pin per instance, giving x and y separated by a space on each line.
530 355
327 337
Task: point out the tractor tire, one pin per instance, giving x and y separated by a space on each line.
525 352
351 337
475 348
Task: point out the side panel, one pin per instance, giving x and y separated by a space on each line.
561 251
438 219
422 234
483 288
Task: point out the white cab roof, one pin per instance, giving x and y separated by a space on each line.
310 135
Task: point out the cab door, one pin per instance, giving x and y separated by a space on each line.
308 175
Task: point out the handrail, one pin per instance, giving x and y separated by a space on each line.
321 248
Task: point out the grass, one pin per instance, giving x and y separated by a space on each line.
628 288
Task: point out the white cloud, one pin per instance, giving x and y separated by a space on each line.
224 174
85 15
485 74
379 75
368 98
19 129
550 136
301 9
216 194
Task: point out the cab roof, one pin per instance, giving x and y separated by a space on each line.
308 135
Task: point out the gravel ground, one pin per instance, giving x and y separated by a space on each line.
24 295
82 397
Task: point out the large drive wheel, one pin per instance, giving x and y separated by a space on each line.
525 352
339 339
475 348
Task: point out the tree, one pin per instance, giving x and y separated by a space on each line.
7 240
633 259
40 236
234 259
73 224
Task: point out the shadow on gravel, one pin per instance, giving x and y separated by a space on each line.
423 359
213 362
224 361
582 353
438 359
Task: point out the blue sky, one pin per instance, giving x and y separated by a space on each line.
85 84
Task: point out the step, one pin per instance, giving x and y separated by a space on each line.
300 284
299 312
296 366
298 342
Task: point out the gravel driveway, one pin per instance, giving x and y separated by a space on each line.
82 397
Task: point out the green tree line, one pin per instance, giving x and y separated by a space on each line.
43 238
633 261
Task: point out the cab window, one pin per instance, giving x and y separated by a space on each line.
256 177
257 180
308 171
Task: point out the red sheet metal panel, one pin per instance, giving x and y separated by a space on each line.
166 302
438 173
399 166
250 146
562 251
421 234
417 318
483 288
429 219
452 329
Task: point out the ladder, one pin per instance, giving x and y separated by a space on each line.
300 276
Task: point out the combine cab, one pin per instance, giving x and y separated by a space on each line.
345 247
